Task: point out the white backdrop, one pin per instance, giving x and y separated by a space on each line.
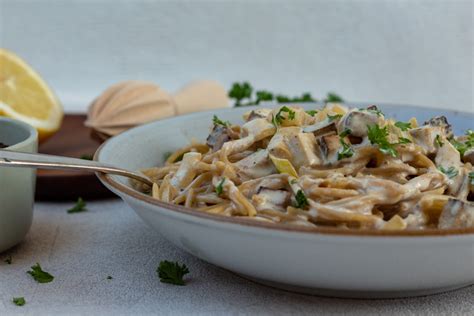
415 52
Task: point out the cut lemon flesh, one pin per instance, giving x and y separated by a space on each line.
25 96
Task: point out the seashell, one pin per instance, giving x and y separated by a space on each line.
131 103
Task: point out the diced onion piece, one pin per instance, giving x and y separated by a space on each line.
284 166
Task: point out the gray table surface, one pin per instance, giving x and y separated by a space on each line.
82 249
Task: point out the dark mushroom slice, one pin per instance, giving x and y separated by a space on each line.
259 113
321 128
329 146
469 156
256 165
357 121
442 122
218 136
457 214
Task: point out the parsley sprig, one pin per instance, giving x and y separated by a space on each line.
471 177
301 200
451 172
19 301
312 112
80 206
403 126
334 117
347 150
218 121
278 118
172 272
378 136
220 187
462 147
39 275
438 141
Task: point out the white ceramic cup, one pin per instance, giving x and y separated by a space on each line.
17 185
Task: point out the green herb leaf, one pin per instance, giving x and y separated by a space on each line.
87 157
346 151
79 207
345 133
471 177
333 98
217 121
39 275
403 140
462 147
172 272
19 301
312 112
378 136
240 91
438 141
301 200
220 187
334 117
109 277
403 126
293 181
451 172
278 118
8 260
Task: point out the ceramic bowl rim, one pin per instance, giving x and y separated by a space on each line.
33 133
109 181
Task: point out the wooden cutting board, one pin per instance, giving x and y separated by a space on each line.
72 140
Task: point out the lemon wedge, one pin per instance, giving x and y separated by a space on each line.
284 166
25 96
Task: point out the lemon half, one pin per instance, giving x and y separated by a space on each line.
25 96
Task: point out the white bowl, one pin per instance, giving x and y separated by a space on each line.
323 261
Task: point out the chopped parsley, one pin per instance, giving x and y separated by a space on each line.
220 187
403 126
333 98
403 140
462 147
438 141
293 181
19 301
451 172
172 272
39 275
471 177
347 150
80 206
334 117
87 157
345 133
301 200
278 118
8 260
378 136
312 112
217 121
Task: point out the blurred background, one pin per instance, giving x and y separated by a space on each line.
413 52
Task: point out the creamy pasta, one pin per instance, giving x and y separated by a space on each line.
348 168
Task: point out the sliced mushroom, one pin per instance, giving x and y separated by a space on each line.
270 199
256 165
258 113
469 156
441 121
329 146
457 214
357 121
218 136
321 128
425 137
448 156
